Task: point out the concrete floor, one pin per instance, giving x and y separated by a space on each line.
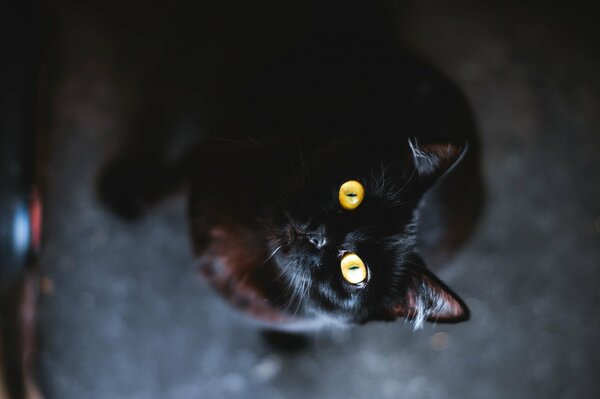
124 314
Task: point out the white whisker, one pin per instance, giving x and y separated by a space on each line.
272 254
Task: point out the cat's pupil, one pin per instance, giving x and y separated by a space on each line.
351 195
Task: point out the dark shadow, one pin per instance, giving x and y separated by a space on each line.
286 343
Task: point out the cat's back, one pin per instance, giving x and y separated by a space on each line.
348 86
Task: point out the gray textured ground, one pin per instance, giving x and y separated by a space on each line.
126 316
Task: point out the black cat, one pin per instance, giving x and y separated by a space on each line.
326 179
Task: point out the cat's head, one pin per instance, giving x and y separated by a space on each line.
345 236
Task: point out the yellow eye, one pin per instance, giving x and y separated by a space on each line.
351 195
354 270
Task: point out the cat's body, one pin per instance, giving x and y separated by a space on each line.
267 225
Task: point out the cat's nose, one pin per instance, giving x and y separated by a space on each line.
317 237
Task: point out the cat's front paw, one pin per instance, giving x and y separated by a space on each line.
124 187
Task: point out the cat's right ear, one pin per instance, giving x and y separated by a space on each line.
427 298
432 160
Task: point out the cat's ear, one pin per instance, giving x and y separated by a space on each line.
432 160
427 298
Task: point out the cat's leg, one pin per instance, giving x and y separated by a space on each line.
451 211
128 187
141 174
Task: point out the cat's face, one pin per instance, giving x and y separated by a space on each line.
345 237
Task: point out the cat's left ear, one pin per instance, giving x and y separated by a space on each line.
432 160
427 298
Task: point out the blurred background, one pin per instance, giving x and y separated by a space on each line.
121 310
